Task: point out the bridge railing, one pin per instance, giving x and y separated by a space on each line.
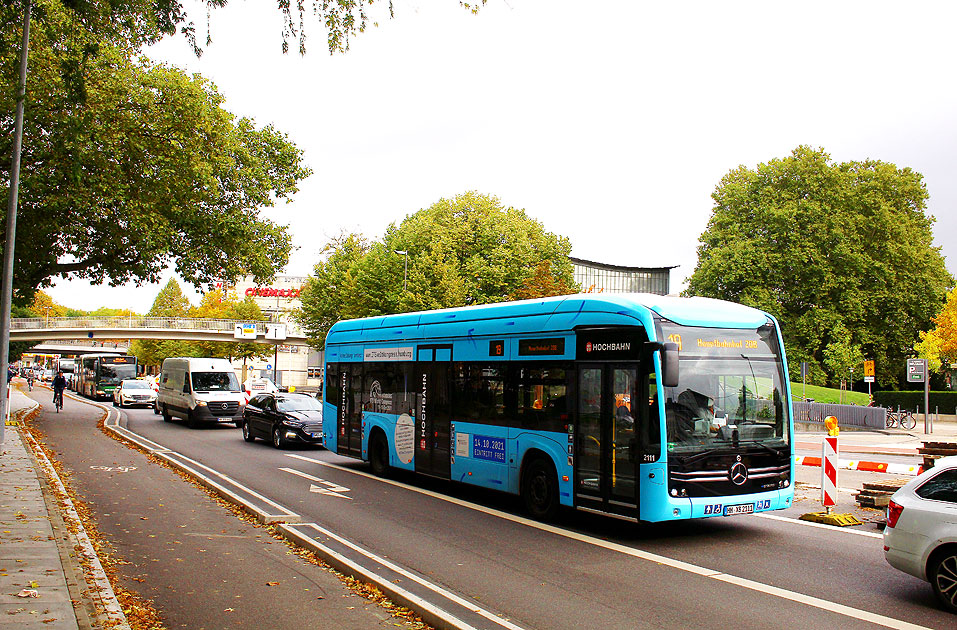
136 322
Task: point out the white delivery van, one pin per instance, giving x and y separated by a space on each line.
200 391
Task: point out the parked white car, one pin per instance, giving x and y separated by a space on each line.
921 533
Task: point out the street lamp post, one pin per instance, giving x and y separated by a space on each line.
405 270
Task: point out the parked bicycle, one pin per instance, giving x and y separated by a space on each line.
904 419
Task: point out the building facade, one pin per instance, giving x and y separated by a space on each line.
597 277
293 365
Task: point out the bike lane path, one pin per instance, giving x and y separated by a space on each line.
201 565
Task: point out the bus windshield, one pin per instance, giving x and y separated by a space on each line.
112 373
730 391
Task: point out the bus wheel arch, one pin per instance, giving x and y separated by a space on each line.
539 485
379 452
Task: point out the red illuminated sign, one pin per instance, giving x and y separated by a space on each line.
272 292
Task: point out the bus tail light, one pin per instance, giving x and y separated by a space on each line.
894 511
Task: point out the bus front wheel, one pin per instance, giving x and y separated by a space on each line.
540 489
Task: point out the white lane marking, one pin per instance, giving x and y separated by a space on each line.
841 609
232 481
411 576
794 521
331 489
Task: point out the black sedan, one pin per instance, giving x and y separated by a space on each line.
283 419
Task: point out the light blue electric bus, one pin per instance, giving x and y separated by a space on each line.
639 406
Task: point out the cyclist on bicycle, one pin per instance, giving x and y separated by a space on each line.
30 379
59 384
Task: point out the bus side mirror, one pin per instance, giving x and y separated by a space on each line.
669 364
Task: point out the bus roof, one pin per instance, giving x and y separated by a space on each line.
560 313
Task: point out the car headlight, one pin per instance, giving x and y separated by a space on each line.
200 403
292 423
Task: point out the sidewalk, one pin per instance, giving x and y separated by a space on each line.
33 585
874 446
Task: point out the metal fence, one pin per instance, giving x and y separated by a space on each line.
847 415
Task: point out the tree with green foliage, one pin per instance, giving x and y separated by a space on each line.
130 167
219 304
169 302
841 253
939 345
458 252
146 21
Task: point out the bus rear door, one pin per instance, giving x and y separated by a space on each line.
349 422
433 420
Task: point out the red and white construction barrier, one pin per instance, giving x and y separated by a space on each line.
829 471
850 464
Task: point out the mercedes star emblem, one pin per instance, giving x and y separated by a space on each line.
738 473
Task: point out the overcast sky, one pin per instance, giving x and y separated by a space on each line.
610 121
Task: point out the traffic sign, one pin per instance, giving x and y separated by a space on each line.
916 370
245 331
869 369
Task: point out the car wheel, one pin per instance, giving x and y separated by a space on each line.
114 402
191 420
942 574
540 489
277 439
166 416
379 455
247 434
156 409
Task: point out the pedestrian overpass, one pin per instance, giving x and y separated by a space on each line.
125 327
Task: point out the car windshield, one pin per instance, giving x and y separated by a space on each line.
215 382
135 385
730 390
297 403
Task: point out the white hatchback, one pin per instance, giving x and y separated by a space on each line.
921 533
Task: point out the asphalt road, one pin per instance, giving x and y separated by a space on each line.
203 567
582 572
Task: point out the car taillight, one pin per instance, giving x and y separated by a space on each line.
893 513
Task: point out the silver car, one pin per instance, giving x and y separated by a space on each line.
921 533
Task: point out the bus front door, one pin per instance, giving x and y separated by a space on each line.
606 444
432 411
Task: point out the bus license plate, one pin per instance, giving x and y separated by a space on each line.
741 508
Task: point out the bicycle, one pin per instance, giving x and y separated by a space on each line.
905 419
58 401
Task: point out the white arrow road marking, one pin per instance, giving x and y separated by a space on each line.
330 490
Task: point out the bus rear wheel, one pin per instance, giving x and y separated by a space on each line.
379 454
540 489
